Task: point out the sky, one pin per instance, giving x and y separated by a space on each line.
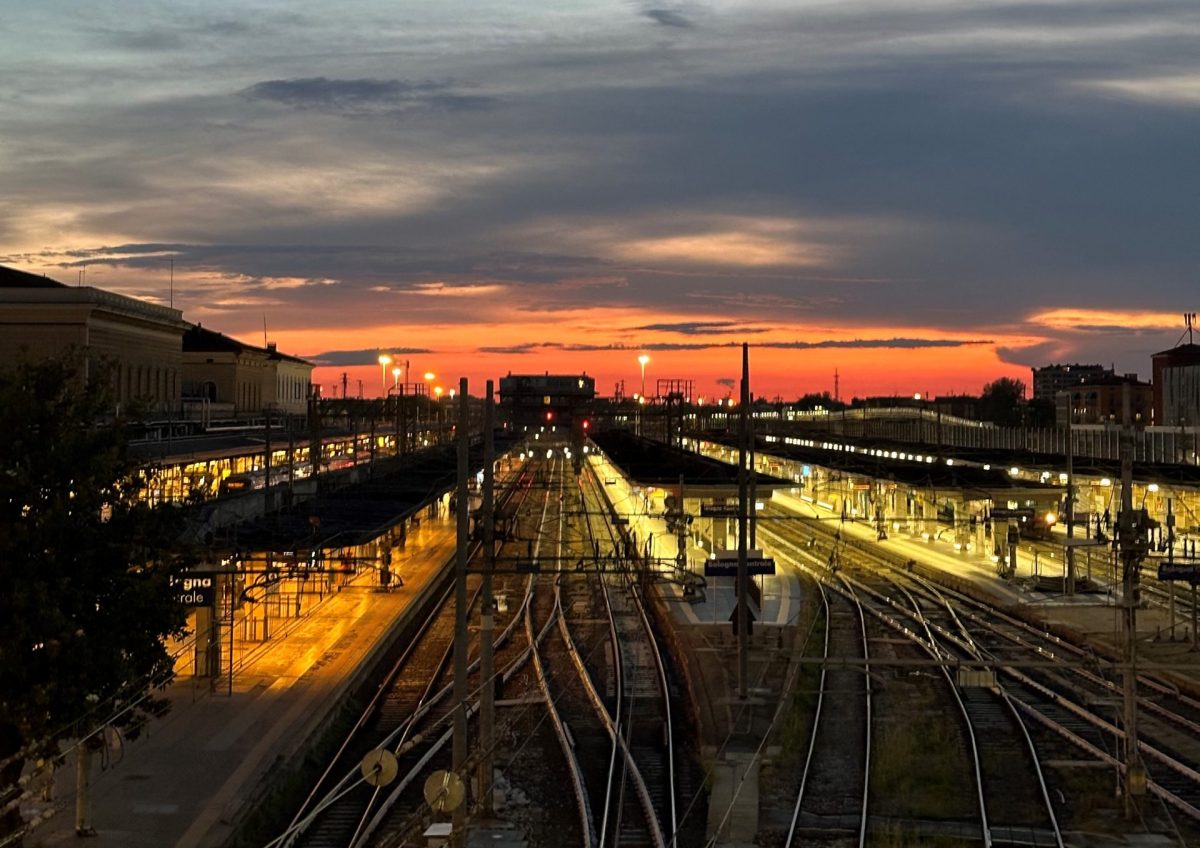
919 196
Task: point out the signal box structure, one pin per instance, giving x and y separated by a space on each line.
529 402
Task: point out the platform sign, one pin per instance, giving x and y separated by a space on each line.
718 511
1004 514
1084 542
196 590
1189 571
724 564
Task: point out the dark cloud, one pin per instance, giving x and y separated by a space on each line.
701 328
349 358
363 96
863 344
668 18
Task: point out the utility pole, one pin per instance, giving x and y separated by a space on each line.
1070 587
743 609
753 482
459 745
487 694
1130 542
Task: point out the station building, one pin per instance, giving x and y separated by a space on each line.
227 378
178 371
141 342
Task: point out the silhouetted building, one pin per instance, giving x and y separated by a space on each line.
42 318
962 406
1052 379
1101 401
235 379
1177 386
530 401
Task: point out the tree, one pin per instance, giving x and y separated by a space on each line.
85 569
823 400
1002 402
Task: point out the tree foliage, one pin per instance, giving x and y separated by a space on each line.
85 569
1003 401
822 400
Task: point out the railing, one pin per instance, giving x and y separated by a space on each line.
1167 445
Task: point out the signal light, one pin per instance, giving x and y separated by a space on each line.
586 423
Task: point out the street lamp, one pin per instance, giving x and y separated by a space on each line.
642 360
396 372
384 361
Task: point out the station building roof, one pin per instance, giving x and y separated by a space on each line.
652 463
907 466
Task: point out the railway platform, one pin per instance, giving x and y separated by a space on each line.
193 776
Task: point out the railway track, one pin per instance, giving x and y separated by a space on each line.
616 659
1060 700
408 715
833 795
994 739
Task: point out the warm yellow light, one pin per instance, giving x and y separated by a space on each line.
429 375
916 395
1051 518
643 359
437 390
385 360
397 371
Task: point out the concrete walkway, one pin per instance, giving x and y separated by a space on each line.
192 774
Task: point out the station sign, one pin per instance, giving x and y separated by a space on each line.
718 511
1189 571
1004 514
727 567
195 590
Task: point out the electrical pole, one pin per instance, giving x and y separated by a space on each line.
1131 558
459 745
1070 587
743 610
487 693
752 497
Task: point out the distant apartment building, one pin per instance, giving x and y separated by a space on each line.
1177 386
1101 401
226 378
138 342
1052 379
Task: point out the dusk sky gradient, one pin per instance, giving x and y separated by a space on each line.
923 196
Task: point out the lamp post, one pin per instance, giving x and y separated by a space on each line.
441 418
396 372
429 377
642 360
384 361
